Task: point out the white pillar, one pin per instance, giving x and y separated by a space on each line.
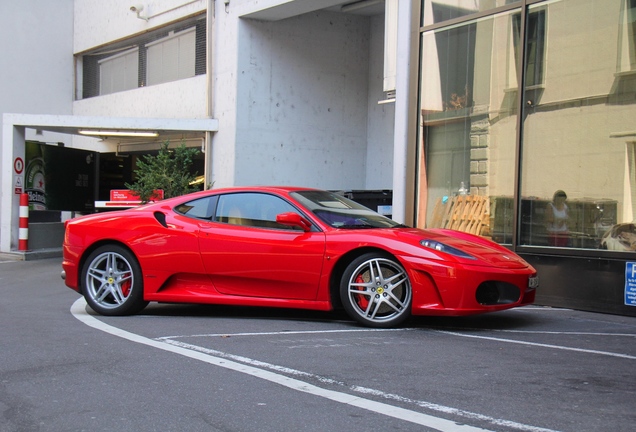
12 148
404 139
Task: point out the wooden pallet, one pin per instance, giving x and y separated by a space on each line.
467 213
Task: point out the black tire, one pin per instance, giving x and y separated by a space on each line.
111 281
376 291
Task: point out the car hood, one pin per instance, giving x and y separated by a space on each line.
484 251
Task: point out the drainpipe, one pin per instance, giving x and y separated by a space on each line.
210 51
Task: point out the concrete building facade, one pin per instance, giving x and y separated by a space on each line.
287 92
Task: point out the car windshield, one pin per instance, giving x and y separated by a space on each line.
340 212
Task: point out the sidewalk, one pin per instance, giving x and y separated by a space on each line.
31 255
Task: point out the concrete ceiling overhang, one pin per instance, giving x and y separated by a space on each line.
274 10
69 124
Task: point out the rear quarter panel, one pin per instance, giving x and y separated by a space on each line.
161 251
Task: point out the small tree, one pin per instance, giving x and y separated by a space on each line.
169 170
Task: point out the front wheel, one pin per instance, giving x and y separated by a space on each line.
376 291
111 281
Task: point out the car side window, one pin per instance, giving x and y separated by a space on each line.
201 208
252 209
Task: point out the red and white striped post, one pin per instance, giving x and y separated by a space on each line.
23 232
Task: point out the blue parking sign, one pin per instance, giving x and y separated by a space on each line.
630 283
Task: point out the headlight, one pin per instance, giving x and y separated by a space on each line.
441 247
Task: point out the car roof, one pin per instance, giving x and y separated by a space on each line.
264 188
277 189
233 189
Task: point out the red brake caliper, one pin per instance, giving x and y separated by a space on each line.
125 287
362 301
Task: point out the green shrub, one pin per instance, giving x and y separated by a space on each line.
169 170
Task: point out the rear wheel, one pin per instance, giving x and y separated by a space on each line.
376 291
111 281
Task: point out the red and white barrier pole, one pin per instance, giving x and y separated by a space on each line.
23 232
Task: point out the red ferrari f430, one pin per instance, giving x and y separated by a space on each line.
287 247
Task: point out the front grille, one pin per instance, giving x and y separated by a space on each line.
492 293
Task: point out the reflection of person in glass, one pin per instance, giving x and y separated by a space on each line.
557 215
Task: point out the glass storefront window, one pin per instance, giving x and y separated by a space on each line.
438 11
578 144
468 120
578 172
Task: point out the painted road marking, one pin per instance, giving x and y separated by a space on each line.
566 333
310 332
249 367
283 333
79 311
365 390
559 347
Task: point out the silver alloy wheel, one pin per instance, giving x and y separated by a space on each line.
379 291
109 280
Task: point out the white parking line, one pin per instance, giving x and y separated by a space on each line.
559 347
364 390
282 333
78 309
566 333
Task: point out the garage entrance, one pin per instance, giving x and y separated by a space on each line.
63 180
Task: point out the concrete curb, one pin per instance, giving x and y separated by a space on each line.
32 255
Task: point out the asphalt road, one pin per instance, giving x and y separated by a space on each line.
211 368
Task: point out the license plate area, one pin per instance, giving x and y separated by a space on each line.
533 282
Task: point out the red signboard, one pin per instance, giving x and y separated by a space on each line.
119 195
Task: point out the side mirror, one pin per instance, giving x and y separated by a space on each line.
292 219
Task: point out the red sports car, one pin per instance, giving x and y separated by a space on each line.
287 247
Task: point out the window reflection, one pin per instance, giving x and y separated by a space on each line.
535 45
438 11
578 142
468 124
627 37
578 133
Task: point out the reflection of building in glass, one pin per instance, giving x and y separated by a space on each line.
577 108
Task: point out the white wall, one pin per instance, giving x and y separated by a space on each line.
36 77
381 121
303 94
98 22
302 101
185 98
36 37
296 99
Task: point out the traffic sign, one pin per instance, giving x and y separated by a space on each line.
630 283
18 165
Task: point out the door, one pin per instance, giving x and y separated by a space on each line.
246 253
